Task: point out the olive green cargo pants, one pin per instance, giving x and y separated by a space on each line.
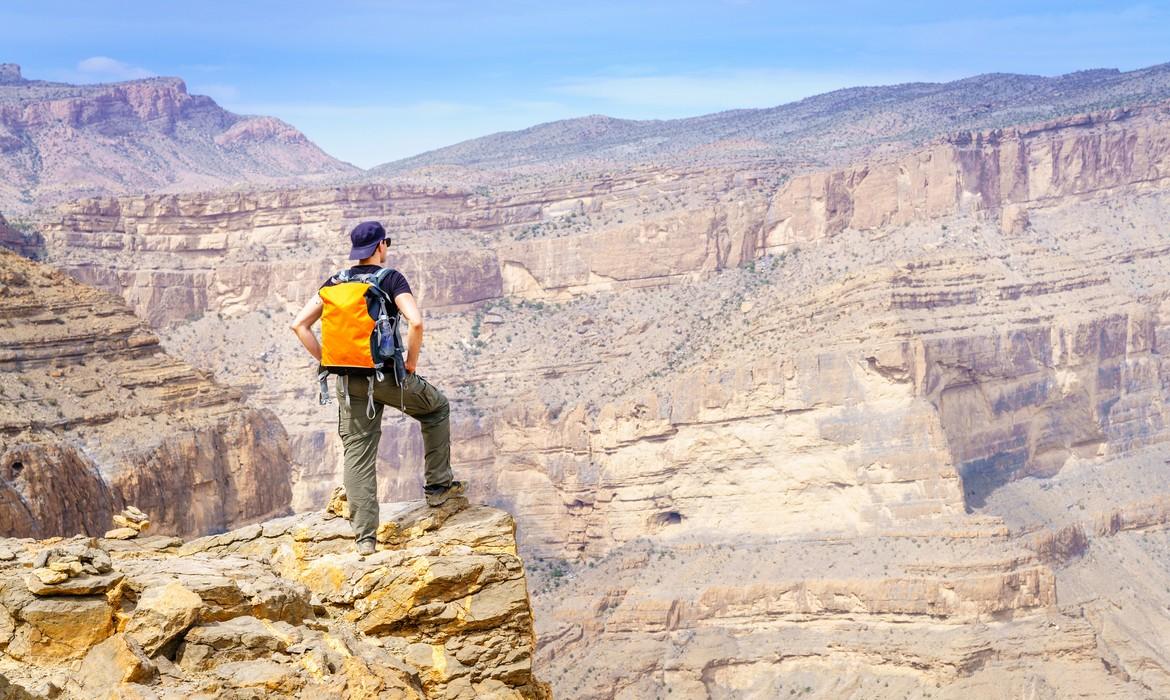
361 433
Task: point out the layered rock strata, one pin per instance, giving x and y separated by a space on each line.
282 609
1037 355
1002 172
200 253
95 415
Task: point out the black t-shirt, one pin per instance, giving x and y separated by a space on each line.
393 284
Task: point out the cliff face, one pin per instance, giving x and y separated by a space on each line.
198 253
95 415
282 609
61 141
1003 173
195 253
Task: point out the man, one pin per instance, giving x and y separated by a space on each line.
361 430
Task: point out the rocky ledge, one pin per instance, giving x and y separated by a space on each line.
281 609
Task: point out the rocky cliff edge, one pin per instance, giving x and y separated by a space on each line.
281 609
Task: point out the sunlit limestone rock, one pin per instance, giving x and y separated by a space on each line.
286 607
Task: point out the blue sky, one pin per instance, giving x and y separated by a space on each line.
373 81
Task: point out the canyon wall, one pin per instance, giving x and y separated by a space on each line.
929 400
195 255
199 253
28 245
1002 172
95 416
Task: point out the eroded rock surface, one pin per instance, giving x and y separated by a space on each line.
285 608
94 415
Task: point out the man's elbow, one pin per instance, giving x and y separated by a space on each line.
295 327
416 324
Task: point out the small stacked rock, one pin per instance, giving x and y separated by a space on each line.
131 522
75 568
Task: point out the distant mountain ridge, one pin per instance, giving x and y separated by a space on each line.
824 130
61 141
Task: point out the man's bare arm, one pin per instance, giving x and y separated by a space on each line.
302 325
414 335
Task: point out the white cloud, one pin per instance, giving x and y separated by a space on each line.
105 68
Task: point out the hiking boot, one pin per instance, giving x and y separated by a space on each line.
438 498
366 547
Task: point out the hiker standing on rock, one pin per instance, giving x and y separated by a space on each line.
359 310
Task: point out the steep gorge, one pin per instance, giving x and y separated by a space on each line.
758 428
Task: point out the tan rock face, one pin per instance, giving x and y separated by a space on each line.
1004 170
243 233
59 629
94 409
115 661
289 609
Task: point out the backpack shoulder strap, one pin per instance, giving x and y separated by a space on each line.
382 274
375 281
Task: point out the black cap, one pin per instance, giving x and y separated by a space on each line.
365 238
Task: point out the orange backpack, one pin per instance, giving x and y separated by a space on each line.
359 327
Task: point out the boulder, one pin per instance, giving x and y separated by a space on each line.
163 613
61 628
338 506
229 586
415 518
239 639
119 659
272 677
47 576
